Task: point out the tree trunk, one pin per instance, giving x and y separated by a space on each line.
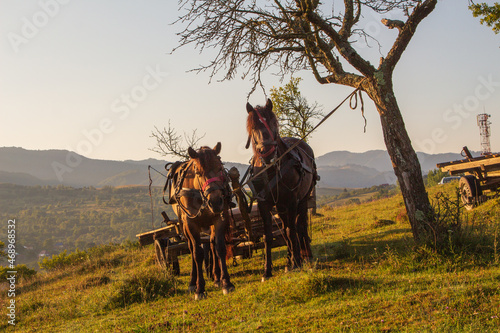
404 159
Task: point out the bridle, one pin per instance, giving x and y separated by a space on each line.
219 182
272 142
206 188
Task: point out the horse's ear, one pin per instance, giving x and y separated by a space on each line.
192 153
217 148
249 108
269 105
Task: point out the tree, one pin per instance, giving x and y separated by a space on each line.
168 142
293 110
490 14
304 34
435 176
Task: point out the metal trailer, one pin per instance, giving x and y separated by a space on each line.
479 175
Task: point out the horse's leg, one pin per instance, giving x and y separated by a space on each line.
265 214
287 240
207 259
193 275
302 225
198 256
216 272
288 215
221 227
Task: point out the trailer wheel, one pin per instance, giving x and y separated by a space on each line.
470 191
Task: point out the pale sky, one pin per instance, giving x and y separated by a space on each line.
96 77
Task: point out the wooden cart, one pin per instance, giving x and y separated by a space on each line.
170 242
479 175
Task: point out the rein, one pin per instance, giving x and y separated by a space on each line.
279 158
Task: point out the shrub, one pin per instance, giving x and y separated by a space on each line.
147 285
434 177
95 281
22 272
63 260
353 201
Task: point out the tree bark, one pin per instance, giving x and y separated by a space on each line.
403 157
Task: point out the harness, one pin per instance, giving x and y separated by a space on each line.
176 175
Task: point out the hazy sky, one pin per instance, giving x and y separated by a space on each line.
96 77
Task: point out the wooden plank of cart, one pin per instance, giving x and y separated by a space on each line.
480 175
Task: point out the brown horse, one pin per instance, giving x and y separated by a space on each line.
286 184
200 197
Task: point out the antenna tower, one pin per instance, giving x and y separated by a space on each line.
484 130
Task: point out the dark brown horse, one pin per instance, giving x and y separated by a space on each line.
200 198
286 184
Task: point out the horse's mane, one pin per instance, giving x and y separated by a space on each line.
207 159
254 122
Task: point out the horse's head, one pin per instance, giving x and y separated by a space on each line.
263 131
210 173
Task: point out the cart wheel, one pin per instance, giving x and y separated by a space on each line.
171 258
161 260
470 191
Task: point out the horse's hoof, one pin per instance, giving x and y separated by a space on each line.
199 296
191 289
217 284
227 290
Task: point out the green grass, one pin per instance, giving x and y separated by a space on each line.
367 276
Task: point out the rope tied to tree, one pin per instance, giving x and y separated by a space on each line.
354 98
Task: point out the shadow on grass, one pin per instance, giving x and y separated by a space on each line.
362 246
322 284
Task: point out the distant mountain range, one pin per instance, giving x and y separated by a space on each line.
54 167
374 167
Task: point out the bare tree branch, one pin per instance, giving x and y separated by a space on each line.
168 142
406 32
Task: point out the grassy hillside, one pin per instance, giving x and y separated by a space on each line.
367 277
335 197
